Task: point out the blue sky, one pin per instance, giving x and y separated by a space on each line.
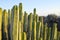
43 7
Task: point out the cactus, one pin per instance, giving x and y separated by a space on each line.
0 23
24 36
34 16
20 12
34 30
5 25
12 22
21 15
15 24
29 29
58 35
19 31
55 31
49 33
37 18
30 21
42 27
25 22
45 32
30 25
34 25
9 24
38 27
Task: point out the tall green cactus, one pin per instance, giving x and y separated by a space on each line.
38 27
49 33
34 25
34 30
20 12
21 15
9 24
30 21
30 25
29 29
15 24
45 32
55 31
34 15
0 23
25 22
19 31
5 25
12 22
42 27
21 35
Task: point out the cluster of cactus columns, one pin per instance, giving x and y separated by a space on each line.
16 25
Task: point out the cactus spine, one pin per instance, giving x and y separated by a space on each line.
0 23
